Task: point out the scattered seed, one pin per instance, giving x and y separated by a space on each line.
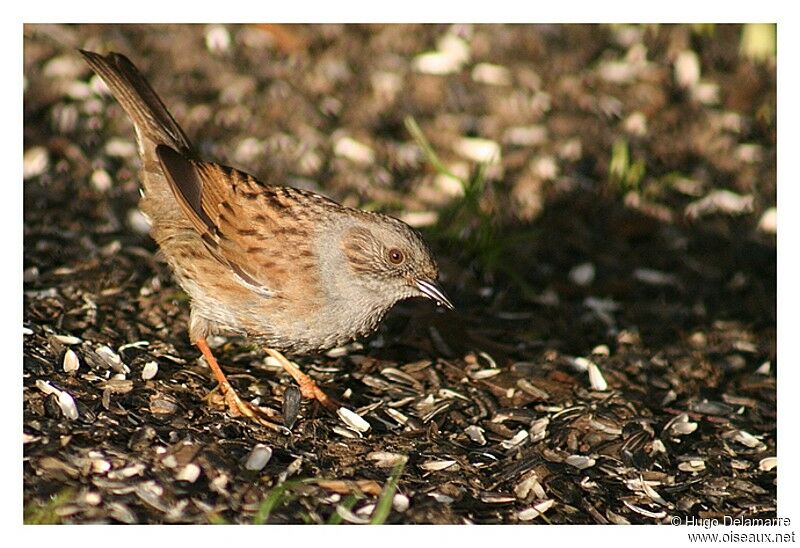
681 426
349 516
648 276
67 339
484 151
189 473
438 465
768 463
46 387
396 415
35 161
529 484
337 352
100 466
67 405
653 494
71 362
353 420
149 370
218 39
487 73
475 433
517 440
161 406
112 359
292 397
694 465
596 379
258 458
346 432
748 440
497 498
535 511
532 390
582 275
127 472
385 459
356 152
400 502
92 498
439 497
484 373
644 512
580 462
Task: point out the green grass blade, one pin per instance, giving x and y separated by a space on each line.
416 133
384 506
348 504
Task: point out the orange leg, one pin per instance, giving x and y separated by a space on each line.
236 406
308 387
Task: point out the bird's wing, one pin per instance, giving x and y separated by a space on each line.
262 232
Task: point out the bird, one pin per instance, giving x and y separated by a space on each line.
290 269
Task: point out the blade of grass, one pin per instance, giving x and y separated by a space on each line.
384 505
347 503
277 496
416 133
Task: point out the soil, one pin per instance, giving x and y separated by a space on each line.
612 355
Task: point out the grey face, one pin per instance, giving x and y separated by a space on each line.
392 257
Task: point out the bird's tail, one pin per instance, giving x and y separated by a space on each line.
154 124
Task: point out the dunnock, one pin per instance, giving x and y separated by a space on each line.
291 269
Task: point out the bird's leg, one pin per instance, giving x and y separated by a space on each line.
308 387
236 406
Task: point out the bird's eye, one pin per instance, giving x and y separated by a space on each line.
396 256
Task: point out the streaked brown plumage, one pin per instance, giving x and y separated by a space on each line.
292 269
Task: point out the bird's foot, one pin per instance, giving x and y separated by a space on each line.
308 387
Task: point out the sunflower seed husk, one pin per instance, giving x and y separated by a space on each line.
346 432
67 339
497 498
385 459
768 463
644 512
292 397
580 462
437 465
530 483
349 516
149 370
596 379
112 359
538 429
189 473
532 390
258 458
747 439
475 433
535 511
484 374
71 362
353 420
47 388
518 439
67 405
694 465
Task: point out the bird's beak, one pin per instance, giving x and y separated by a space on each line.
432 291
